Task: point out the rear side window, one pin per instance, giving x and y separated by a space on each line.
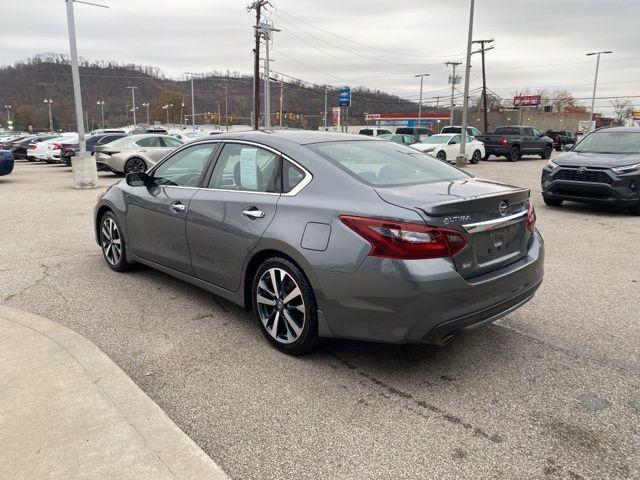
385 164
149 142
171 142
246 168
528 132
507 131
383 132
108 138
291 176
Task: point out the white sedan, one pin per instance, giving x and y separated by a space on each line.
446 147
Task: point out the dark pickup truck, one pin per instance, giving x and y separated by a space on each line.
561 138
514 142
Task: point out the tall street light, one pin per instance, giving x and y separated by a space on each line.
193 102
7 108
101 103
48 101
595 82
133 102
421 75
168 107
146 105
461 160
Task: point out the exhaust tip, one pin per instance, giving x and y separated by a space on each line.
444 341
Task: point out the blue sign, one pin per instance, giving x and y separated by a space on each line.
344 96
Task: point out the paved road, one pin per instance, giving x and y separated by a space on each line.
551 391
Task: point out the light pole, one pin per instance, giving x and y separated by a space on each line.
7 108
101 103
226 107
461 160
595 83
421 75
167 107
146 105
48 101
193 102
133 102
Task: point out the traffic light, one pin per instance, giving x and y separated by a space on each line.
277 115
291 116
302 116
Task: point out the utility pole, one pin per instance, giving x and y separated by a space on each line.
461 160
193 103
101 103
133 101
48 101
595 83
85 173
453 80
265 29
226 107
257 6
484 79
281 100
325 109
421 75
219 119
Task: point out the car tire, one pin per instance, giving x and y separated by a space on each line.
286 312
112 243
475 157
441 155
546 152
514 154
486 157
635 209
552 202
134 164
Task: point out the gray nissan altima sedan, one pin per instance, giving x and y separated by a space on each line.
329 235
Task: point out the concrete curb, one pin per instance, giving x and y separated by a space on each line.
168 450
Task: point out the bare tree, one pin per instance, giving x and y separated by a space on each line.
622 109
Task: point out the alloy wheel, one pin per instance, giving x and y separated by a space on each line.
135 165
280 305
111 241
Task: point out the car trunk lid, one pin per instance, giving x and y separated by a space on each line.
491 216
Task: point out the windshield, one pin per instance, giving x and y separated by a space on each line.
385 163
610 141
437 139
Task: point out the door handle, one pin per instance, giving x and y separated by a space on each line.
177 207
253 213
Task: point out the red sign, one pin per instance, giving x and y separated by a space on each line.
526 101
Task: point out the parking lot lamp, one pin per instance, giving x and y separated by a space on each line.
48 101
7 108
133 102
461 160
146 105
595 83
101 103
421 75
167 107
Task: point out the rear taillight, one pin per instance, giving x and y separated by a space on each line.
32 146
503 140
56 146
404 240
555 138
531 217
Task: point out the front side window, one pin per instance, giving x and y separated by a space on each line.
185 167
384 164
149 142
246 168
527 132
455 139
506 131
536 132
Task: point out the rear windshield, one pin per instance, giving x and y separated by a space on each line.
385 164
507 131
451 130
437 139
610 142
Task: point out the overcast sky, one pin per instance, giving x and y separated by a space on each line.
378 44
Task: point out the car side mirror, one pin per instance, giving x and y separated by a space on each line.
138 179
452 142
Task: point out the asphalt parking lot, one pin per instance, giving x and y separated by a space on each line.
550 391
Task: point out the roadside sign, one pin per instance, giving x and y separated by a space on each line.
344 96
372 116
336 116
526 101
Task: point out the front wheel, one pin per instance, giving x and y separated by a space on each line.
441 155
112 243
546 152
514 154
475 158
551 202
285 306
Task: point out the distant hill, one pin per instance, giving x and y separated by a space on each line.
25 85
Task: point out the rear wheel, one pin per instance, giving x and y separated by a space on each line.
514 154
442 156
475 158
134 164
112 243
552 202
546 152
285 306
486 157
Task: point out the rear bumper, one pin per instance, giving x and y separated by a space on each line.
493 150
417 301
619 192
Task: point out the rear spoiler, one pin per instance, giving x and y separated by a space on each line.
486 202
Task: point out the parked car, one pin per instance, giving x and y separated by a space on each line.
28 142
68 150
603 168
418 132
446 147
561 138
134 153
19 148
471 131
401 139
374 131
6 162
54 146
7 142
514 142
40 150
435 249
188 135
148 129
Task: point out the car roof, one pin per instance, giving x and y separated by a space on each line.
300 137
619 129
